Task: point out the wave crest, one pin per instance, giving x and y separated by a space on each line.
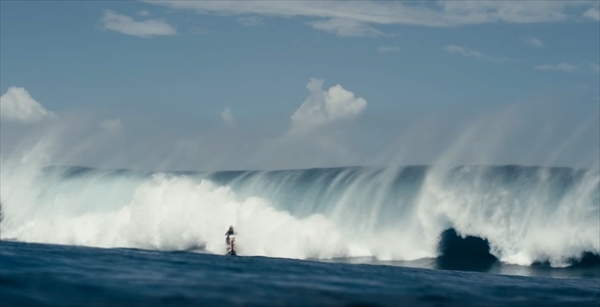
519 215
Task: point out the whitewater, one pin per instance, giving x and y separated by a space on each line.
526 214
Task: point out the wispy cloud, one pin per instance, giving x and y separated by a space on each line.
355 18
228 117
345 27
127 25
251 21
562 67
593 13
533 41
595 67
467 52
16 105
144 13
387 49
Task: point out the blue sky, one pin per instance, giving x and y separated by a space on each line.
197 85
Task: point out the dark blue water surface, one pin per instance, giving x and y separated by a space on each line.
58 275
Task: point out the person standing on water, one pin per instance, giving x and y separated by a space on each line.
230 232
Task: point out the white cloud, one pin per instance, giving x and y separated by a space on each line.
563 67
127 25
251 21
144 13
18 106
532 41
228 117
387 49
345 27
595 67
353 18
464 51
323 107
593 13
114 125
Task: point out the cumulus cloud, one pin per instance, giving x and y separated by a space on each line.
251 21
387 49
323 107
113 125
127 25
533 41
562 67
17 105
228 117
593 13
314 139
464 51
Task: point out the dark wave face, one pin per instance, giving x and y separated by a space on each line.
469 253
468 217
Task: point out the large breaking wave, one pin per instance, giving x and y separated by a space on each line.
525 215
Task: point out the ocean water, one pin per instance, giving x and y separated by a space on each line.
56 275
415 235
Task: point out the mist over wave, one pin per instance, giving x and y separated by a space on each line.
525 214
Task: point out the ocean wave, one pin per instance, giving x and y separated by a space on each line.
473 215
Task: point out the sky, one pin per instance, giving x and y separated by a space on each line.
215 85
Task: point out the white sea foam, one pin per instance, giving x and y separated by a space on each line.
176 212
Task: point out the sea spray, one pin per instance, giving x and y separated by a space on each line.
527 214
